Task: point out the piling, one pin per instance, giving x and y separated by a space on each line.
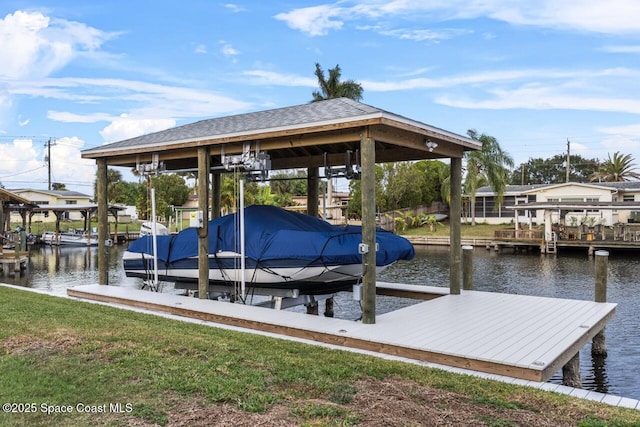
312 307
328 307
571 372
599 345
467 268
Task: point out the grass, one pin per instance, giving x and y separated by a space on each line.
480 230
58 352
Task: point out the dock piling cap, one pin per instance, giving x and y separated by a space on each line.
601 253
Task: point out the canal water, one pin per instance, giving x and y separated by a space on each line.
567 275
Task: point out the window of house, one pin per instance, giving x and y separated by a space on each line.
628 198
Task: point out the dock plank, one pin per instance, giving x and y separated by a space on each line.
505 334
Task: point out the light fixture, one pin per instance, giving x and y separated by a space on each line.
430 145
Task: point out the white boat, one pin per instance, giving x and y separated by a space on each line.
146 229
284 250
70 239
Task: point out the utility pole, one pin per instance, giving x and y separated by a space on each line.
568 158
49 161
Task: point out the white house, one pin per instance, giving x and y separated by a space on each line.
54 197
597 202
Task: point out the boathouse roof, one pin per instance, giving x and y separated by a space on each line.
308 135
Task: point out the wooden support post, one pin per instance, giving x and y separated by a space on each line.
312 307
455 210
216 195
203 233
599 342
312 192
103 221
368 186
571 372
467 268
328 307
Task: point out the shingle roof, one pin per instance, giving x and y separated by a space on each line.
315 113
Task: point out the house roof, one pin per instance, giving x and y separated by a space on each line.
57 193
532 188
300 136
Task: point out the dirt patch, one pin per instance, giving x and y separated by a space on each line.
389 402
60 340
401 402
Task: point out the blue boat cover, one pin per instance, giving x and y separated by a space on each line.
273 233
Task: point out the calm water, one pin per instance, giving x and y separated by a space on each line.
565 276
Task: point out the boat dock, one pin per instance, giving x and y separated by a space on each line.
13 261
518 336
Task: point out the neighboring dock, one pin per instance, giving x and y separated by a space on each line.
519 336
13 261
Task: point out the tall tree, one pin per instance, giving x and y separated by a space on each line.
332 87
616 169
554 170
488 166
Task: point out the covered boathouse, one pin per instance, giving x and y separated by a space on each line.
518 336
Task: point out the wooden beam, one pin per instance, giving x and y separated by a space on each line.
203 232
455 210
368 185
103 221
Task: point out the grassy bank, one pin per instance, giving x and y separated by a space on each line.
106 366
468 231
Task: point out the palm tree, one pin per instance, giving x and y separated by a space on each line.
332 87
488 166
616 169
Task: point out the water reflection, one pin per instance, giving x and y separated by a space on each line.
564 276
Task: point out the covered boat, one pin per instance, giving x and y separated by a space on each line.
283 250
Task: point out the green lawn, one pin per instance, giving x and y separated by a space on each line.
467 231
129 368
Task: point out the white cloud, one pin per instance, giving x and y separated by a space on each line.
315 20
228 50
40 45
201 49
622 49
278 79
67 166
18 157
125 127
611 17
234 7
542 98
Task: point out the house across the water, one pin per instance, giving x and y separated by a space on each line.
605 203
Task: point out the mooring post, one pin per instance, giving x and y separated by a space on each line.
328 307
571 372
598 344
467 268
312 307
455 212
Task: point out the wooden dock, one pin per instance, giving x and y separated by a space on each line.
513 335
10 261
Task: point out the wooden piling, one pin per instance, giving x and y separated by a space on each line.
467 268
455 212
368 187
328 307
571 372
599 344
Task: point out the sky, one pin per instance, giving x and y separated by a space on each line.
534 74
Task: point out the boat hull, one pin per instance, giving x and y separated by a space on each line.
69 239
225 271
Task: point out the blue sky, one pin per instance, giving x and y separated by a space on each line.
531 73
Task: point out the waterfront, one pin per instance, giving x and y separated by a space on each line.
565 276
